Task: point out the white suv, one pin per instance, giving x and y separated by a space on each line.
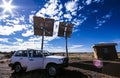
37 59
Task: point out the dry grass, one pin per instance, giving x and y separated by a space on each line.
80 67
118 55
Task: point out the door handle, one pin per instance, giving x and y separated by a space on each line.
21 58
31 60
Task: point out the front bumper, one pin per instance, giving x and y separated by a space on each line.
11 65
64 64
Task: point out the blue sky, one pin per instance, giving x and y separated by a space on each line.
95 21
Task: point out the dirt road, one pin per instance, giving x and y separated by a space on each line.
5 72
70 72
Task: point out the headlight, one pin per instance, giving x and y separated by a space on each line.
61 60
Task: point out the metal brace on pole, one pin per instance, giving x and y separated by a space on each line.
43 33
42 38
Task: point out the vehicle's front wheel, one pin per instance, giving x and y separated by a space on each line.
17 68
52 70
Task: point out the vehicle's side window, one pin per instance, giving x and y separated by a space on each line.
37 54
24 53
34 53
30 53
18 53
21 53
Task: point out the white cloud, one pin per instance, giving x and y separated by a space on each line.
118 44
20 45
71 6
19 40
33 12
52 48
2 17
76 46
28 33
78 22
8 30
11 47
36 38
18 27
12 22
117 41
94 11
107 16
80 7
3 39
74 13
100 22
97 1
22 18
79 48
50 9
103 20
60 13
55 18
47 39
68 16
35 43
96 27
75 30
73 48
5 30
88 2
60 7
31 18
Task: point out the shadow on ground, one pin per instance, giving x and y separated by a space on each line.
43 74
109 68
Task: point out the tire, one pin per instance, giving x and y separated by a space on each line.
17 68
52 70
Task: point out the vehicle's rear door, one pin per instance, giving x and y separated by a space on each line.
22 57
35 60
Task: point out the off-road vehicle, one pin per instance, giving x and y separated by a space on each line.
31 59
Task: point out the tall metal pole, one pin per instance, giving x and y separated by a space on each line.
66 45
66 41
43 33
42 38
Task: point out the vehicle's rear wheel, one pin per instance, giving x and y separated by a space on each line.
17 68
52 70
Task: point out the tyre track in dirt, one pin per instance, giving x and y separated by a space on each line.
5 71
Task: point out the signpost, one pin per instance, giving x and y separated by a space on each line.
43 27
65 30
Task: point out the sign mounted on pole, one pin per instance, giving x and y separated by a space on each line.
43 27
65 29
61 29
69 30
49 23
38 25
43 23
